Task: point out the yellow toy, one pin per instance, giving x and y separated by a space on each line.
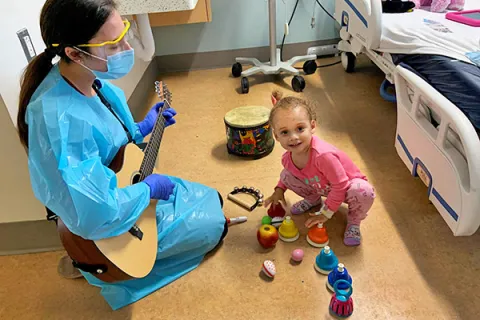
288 231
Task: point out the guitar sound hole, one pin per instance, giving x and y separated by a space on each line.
136 178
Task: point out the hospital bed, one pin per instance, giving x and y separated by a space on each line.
436 139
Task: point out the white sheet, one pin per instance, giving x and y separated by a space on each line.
424 32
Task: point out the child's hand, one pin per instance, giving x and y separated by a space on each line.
275 198
315 220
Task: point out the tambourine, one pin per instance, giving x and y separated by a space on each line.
252 191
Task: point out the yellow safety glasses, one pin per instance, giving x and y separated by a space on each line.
112 42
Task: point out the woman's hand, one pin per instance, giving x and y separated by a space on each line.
277 196
146 125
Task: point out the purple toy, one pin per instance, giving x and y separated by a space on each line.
440 5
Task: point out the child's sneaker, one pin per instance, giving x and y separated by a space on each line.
352 236
302 206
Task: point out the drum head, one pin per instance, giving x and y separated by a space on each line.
247 117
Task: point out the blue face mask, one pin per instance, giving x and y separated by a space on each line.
118 65
474 57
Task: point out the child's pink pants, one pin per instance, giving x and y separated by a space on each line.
359 197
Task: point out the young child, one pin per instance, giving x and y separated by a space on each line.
313 168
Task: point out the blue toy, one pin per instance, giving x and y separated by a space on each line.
325 261
339 273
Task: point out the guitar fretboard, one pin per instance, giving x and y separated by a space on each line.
153 145
151 151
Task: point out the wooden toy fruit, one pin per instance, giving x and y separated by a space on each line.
267 236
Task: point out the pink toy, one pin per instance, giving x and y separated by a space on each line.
469 17
297 255
440 5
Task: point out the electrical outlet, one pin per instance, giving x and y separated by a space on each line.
326 50
26 43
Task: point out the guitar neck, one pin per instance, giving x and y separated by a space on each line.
153 145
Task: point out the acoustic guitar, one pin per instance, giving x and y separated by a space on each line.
132 254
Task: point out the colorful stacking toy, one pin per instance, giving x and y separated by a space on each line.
317 236
339 273
288 230
341 303
325 261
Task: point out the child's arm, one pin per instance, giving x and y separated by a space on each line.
336 175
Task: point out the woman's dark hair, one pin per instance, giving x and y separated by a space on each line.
64 22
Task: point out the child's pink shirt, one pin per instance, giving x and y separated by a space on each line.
328 169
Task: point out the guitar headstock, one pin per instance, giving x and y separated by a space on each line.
163 92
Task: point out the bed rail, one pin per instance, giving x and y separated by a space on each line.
457 169
362 19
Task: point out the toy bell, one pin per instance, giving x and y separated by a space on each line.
341 303
288 230
326 261
339 273
276 210
317 236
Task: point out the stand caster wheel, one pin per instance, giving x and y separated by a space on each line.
298 83
236 70
245 85
348 61
309 67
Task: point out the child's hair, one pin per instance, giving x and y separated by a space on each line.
290 103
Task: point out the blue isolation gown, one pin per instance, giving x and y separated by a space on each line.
72 140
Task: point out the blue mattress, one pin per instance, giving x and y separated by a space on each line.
458 81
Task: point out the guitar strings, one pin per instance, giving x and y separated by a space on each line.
152 148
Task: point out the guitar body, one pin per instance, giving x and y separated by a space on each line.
125 256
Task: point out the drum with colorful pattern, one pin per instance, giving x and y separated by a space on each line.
248 132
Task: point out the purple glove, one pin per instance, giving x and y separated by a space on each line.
146 125
160 186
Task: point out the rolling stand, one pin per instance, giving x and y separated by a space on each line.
275 65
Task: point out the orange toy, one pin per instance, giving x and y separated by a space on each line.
317 236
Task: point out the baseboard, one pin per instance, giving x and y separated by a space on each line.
222 59
142 92
28 237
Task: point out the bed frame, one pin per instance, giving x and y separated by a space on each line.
434 138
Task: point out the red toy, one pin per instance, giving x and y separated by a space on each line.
276 210
341 303
267 236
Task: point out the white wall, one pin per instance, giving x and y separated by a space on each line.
15 15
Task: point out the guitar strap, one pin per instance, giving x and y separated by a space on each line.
135 230
96 86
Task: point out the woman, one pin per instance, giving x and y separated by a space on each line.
72 137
